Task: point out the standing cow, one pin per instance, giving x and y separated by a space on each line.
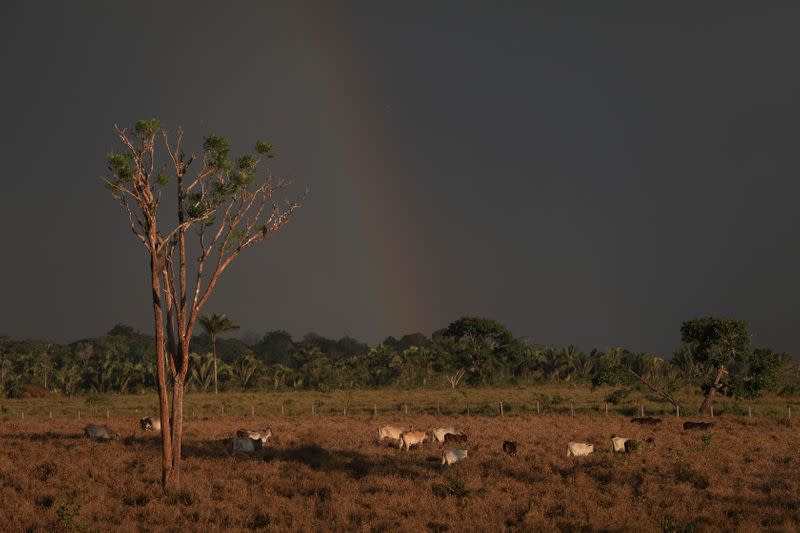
412 438
99 432
579 449
510 447
149 423
450 457
390 432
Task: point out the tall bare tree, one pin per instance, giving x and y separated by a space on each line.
221 208
215 325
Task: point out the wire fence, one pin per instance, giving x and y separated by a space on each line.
322 407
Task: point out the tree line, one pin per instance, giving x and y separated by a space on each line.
472 351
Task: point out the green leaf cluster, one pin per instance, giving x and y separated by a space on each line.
146 128
120 166
217 149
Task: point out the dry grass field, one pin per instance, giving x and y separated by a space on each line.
329 473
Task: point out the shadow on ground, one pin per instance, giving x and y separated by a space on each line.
357 465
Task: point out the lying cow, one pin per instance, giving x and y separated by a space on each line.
510 447
412 438
646 420
439 433
450 457
390 432
263 434
579 448
150 424
99 432
246 445
454 437
698 425
618 444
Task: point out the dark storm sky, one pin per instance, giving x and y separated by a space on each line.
585 172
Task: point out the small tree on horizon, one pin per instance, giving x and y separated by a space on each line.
216 325
220 209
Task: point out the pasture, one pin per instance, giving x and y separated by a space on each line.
328 472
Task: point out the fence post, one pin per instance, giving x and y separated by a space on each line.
641 409
467 407
537 407
405 407
283 411
502 413
374 410
79 413
252 410
677 411
51 414
712 411
23 415
606 408
749 411
572 408
108 415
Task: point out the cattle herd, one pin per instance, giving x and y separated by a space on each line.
249 441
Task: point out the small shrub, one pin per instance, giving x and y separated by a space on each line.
453 485
67 516
617 396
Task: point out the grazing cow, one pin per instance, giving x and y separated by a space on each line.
98 432
510 447
454 437
390 432
263 434
646 420
412 438
439 433
150 424
618 443
246 445
453 456
698 425
579 448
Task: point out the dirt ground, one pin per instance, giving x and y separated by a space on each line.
330 474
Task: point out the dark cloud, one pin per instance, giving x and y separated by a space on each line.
591 173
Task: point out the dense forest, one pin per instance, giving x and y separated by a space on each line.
471 351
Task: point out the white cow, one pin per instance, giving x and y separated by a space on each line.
618 443
412 438
390 432
453 456
263 434
579 448
246 445
98 432
439 433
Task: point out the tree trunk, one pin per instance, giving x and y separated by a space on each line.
214 352
161 371
177 426
712 391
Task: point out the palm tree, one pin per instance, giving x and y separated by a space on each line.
201 370
216 325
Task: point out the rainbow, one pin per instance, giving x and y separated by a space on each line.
364 151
